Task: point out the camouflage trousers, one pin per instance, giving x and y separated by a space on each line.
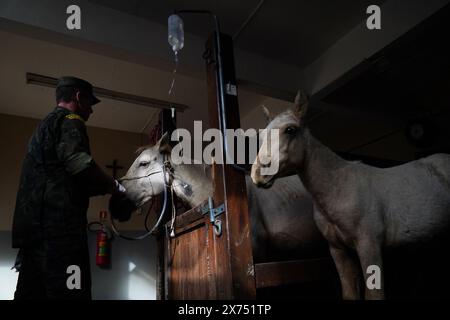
45 270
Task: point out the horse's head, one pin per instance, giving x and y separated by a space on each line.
284 151
145 179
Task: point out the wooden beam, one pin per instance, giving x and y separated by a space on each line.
234 258
188 217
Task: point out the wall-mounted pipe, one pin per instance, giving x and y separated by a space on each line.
46 81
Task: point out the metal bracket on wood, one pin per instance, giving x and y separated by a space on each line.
213 214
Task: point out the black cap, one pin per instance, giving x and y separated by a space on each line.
78 83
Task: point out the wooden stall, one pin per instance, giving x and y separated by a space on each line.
201 263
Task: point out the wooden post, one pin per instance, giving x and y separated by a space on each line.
233 251
198 263
167 125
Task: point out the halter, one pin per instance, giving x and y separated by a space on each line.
166 166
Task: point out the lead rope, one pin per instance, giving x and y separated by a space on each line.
168 166
174 213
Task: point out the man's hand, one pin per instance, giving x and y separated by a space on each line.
120 206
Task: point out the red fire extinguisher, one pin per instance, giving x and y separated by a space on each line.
102 256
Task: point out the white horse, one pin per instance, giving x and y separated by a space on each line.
282 224
358 208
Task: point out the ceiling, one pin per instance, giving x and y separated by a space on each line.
407 76
408 80
294 32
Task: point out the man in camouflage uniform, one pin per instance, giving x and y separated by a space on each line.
58 177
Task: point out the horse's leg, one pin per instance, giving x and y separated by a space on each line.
348 268
370 254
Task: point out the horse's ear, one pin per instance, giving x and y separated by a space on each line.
301 103
164 143
267 114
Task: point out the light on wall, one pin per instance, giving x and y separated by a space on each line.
9 280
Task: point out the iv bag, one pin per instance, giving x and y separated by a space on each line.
176 32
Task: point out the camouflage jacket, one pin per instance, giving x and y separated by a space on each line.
51 202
